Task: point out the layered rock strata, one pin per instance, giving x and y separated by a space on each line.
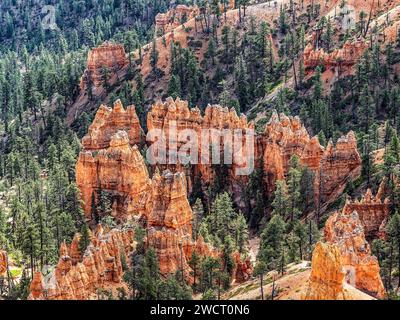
217 127
109 121
338 165
99 266
333 166
169 225
169 124
327 279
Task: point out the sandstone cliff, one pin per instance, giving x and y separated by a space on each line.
165 22
373 214
345 230
118 170
327 278
169 225
176 115
3 263
338 165
283 137
327 275
99 266
343 58
333 166
109 56
109 121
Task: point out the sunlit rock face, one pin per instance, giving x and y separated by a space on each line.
338 165
118 170
109 56
169 225
373 212
284 137
99 266
3 263
181 126
333 166
345 230
109 121
166 22
343 58
327 275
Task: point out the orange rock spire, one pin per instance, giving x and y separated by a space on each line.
78 280
344 229
108 56
119 170
3 263
327 275
373 213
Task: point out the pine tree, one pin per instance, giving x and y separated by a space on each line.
366 112
279 204
272 242
84 240
198 215
259 270
154 56
293 184
174 87
194 264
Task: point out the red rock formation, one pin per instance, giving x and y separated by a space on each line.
345 229
373 214
338 165
177 115
345 57
101 264
3 263
169 225
108 56
243 268
166 22
119 170
327 276
108 122
286 136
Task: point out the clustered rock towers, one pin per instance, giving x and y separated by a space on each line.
111 161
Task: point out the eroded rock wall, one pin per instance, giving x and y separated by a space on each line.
99 266
373 212
118 170
343 58
109 121
327 276
338 165
108 56
3 263
166 22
